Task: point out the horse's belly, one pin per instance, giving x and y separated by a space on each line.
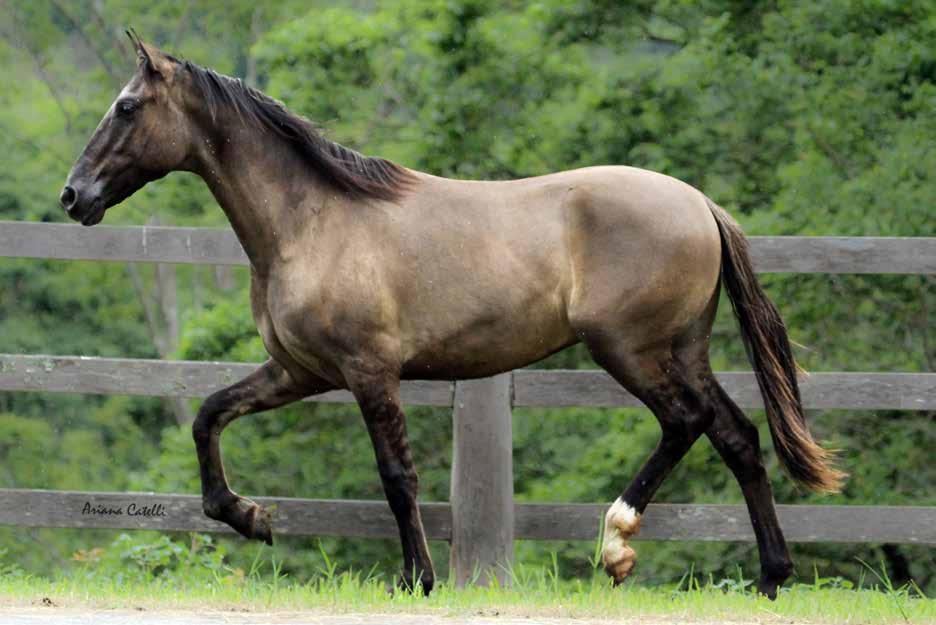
488 344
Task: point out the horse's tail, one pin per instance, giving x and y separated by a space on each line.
768 349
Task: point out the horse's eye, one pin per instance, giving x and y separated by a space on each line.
127 107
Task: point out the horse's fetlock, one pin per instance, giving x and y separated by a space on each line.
213 509
779 569
216 504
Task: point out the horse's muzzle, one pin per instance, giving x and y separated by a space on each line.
86 210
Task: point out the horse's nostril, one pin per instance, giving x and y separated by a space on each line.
68 198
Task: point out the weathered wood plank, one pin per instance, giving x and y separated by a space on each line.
163 378
219 246
844 254
800 523
482 481
372 519
215 246
156 511
532 387
897 391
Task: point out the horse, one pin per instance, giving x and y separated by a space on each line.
365 272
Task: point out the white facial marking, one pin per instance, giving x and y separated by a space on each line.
621 522
124 93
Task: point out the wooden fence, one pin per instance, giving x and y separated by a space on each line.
482 520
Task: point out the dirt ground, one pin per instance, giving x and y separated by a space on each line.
84 616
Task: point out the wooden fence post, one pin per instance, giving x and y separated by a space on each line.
482 481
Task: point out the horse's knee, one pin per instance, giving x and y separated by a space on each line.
206 421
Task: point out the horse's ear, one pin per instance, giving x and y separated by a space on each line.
143 55
155 63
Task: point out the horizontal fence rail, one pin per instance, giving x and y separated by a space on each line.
219 246
852 391
531 387
165 378
168 512
373 519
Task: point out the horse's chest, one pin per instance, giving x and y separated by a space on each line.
315 325
294 329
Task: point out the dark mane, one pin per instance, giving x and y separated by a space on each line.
346 169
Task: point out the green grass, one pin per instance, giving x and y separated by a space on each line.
533 593
155 572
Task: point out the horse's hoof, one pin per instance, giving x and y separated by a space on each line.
249 519
619 558
772 577
620 565
261 525
426 582
768 588
769 585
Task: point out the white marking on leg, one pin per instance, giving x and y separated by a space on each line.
621 522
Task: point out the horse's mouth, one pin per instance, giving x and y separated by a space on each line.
95 214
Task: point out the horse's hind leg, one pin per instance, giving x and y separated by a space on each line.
678 395
736 439
268 387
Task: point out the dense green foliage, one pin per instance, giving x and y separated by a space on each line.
810 118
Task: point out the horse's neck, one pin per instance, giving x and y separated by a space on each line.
267 192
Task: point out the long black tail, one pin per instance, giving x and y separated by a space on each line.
768 349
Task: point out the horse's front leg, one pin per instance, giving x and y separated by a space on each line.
377 393
270 386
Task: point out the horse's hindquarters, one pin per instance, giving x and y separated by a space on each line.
646 258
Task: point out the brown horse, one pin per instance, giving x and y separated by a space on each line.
365 272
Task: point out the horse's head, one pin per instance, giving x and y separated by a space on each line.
144 135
